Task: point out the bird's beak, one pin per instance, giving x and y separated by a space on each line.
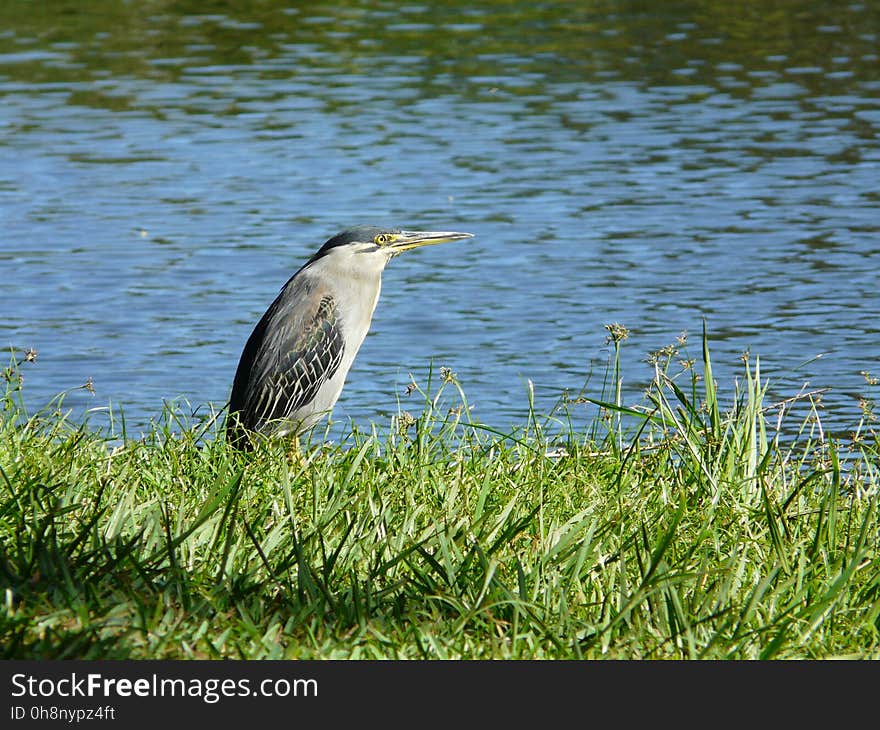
406 240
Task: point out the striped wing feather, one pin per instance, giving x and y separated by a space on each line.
295 348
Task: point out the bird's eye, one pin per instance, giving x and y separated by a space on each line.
382 239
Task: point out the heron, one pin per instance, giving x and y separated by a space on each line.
295 362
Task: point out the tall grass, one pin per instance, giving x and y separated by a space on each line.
674 528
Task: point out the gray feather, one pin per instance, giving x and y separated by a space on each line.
295 348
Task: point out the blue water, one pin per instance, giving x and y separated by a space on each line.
160 179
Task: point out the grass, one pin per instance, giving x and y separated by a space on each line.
677 528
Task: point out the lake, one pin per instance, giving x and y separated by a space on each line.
165 167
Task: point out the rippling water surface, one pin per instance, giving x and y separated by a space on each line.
164 167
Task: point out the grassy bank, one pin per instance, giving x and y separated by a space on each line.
680 528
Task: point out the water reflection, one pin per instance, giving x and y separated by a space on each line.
165 166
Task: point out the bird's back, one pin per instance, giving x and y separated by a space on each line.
296 347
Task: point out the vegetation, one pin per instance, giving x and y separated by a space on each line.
679 528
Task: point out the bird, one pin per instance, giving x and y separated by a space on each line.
295 362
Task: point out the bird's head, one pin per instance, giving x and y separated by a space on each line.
388 242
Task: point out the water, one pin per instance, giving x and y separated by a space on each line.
163 172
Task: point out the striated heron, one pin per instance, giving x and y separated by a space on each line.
295 362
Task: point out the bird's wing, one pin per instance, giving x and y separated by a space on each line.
295 348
